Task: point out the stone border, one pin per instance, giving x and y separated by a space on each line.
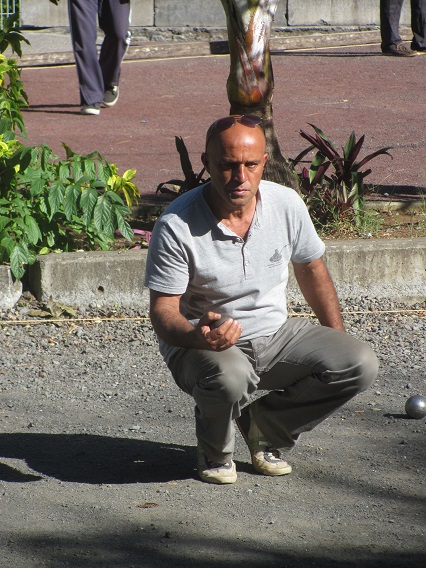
389 268
142 49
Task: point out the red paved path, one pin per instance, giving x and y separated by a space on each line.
339 90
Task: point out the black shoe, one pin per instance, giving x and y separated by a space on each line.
399 50
111 96
95 108
418 49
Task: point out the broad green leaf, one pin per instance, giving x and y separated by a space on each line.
122 210
64 171
77 169
37 186
124 227
88 199
33 231
4 221
8 244
19 225
19 257
43 207
72 193
89 168
114 198
103 173
56 197
50 239
104 241
103 216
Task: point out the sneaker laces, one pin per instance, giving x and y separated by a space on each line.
272 454
217 465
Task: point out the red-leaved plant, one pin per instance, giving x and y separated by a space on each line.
328 196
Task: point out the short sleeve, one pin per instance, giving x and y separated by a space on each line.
167 268
307 245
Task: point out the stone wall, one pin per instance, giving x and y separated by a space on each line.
199 13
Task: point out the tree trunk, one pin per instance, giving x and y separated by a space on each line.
250 83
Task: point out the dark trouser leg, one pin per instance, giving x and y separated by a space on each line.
390 14
311 371
83 17
418 24
114 20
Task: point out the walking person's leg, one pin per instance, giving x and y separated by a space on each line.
418 25
390 14
83 17
114 20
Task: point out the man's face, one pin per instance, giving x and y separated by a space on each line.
235 159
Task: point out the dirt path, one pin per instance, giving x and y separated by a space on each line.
97 460
339 90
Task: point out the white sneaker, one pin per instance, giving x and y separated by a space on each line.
265 459
214 472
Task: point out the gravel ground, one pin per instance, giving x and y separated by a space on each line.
97 457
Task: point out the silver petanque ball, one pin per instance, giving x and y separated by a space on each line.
415 406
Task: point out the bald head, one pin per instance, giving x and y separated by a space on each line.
250 122
235 157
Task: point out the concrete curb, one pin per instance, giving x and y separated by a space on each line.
394 269
58 47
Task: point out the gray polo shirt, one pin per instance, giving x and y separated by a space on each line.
192 254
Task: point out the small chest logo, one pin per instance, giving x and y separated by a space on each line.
276 257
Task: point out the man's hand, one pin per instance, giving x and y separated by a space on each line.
219 337
175 329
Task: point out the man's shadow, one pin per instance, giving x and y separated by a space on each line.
95 459
53 109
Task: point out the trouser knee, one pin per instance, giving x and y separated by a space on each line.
226 376
368 367
357 366
231 384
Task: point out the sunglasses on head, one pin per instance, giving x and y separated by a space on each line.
250 120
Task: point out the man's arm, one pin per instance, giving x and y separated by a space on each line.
318 289
175 329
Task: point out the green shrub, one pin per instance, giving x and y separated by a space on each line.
48 204
330 196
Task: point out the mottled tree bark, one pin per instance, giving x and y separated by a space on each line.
250 83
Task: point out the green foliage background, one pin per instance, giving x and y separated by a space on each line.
48 204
